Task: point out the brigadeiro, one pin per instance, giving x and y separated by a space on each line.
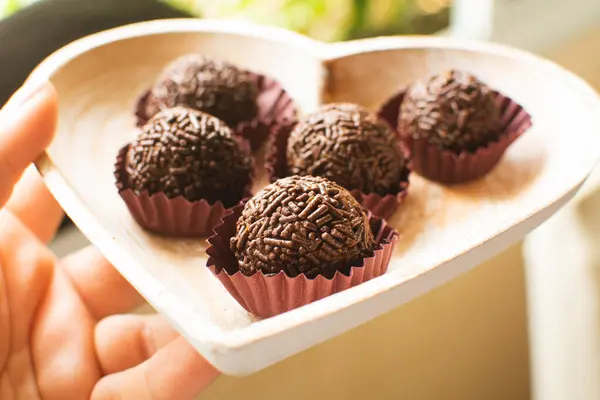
251 104
456 127
299 225
349 145
182 171
299 239
213 86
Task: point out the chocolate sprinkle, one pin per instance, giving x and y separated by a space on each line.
453 110
301 225
213 86
184 152
348 145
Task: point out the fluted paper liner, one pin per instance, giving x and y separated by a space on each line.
175 217
449 167
268 295
276 167
275 107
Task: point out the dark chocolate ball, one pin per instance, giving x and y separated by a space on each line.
348 145
213 86
453 110
184 152
301 225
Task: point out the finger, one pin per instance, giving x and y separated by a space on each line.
176 372
27 125
102 288
33 204
45 316
26 265
62 344
124 341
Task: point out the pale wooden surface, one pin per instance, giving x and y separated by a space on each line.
538 174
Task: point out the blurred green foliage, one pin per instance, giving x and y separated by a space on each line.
11 6
327 20
331 20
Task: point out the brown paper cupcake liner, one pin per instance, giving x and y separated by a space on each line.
275 107
449 167
276 167
268 295
174 217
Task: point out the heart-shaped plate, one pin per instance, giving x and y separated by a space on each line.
445 230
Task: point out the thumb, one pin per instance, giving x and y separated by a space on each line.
27 125
176 372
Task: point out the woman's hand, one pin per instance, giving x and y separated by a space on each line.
61 333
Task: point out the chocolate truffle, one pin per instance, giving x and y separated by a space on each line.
453 110
348 145
184 152
213 86
301 225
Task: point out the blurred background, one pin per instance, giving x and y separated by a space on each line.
508 329
321 19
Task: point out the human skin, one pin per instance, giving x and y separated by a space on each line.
64 331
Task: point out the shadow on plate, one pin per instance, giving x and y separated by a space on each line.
508 180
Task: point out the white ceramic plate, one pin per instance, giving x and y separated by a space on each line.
445 231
